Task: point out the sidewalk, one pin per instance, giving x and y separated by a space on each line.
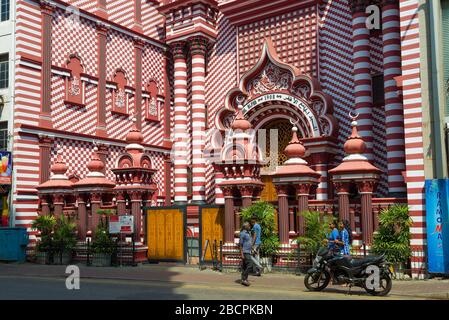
172 273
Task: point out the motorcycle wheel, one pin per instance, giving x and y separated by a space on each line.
317 281
385 285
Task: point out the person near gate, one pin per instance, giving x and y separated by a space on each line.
245 252
256 231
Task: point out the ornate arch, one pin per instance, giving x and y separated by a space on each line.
272 85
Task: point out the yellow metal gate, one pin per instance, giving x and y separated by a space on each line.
166 234
212 228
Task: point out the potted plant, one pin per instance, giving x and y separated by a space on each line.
393 237
269 246
45 225
102 246
64 240
314 232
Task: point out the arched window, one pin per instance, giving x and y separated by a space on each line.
74 85
119 96
152 111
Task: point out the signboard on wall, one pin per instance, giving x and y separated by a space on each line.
437 221
5 167
121 224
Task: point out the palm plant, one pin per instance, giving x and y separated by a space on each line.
65 233
45 225
315 231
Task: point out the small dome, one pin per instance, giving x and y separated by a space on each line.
95 164
355 143
59 167
240 123
295 148
134 135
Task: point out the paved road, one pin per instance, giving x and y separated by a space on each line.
20 287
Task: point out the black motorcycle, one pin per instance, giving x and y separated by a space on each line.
372 274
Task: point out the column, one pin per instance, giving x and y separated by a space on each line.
236 221
138 16
181 136
101 9
291 215
45 206
198 48
167 180
138 48
167 101
95 203
82 217
45 143
320 164
58 203
302 191
394 117
136 211
283 213
121 203
47 10
366 189
247 195
362 74
229 214
342 189
102 31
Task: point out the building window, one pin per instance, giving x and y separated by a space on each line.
4 10
4 71
378 90
4 135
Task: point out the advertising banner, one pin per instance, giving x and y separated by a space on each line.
5 167
437 221
121 224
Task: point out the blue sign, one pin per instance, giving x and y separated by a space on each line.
437 221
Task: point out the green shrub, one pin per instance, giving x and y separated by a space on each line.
315 231
45 225
102 241
393 235
264 212
65 233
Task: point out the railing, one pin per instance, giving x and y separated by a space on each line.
116 253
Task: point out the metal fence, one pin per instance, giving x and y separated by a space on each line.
117 253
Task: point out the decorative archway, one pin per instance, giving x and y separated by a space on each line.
271 88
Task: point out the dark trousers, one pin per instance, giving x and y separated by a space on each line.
247 266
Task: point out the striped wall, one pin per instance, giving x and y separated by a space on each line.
121 12
411 90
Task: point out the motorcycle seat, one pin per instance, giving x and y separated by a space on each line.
360 262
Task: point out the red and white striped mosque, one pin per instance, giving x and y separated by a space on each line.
120 104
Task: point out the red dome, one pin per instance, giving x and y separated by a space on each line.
95 164
134 135
59 167
240 123
295 148
355 143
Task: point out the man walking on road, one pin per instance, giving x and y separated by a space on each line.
257 230
245 252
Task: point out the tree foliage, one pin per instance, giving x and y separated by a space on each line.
315 231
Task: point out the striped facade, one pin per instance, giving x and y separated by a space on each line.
327 40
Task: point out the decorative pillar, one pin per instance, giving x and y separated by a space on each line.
101 9
320 165
47 10
138 48
247 195
198 48
138 16
181 136
291 215
95 203
58 203
136 211
45 206
342 189
283 213
168 180
82 217
362 74
167 101
45 143
229 215
237 220
394 116
302 190
102 31
366 189
121 203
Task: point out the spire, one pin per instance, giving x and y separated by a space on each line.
295 148
59 167
355 143
134 138
95 164
240 123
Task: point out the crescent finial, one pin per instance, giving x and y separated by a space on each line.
353 117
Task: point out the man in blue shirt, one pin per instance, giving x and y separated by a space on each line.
245 252
257 230
332 238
